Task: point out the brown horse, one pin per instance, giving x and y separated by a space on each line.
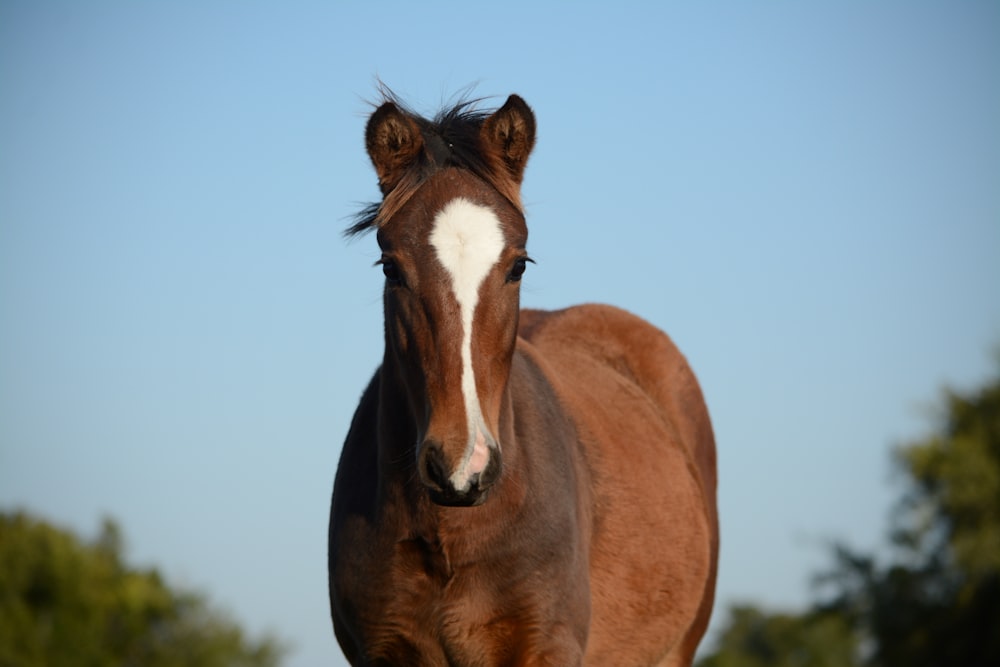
517 487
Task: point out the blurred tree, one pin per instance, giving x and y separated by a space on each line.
66 602
754 638
938 601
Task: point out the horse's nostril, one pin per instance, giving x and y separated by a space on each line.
439 478
434 469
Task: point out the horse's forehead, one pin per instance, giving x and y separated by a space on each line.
468 239
453 196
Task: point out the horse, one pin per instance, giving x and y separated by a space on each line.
517 487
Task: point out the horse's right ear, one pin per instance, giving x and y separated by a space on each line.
393 141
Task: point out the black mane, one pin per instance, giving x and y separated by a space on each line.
451 139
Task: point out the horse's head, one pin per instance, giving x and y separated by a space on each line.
453 236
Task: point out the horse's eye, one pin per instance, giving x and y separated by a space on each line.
516 271
391 271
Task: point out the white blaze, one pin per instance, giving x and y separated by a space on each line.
468 240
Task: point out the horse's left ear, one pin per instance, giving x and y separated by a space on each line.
510 135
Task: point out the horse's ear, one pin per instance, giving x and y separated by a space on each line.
393 141
510 134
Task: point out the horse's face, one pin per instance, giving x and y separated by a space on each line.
453 254
453 259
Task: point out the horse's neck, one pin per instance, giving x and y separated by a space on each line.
397 431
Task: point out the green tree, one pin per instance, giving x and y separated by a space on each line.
68 602
937 602
754 638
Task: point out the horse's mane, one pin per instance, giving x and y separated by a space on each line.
451 139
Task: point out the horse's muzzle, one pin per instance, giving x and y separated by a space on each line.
440 481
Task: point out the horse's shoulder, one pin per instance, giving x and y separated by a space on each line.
600 349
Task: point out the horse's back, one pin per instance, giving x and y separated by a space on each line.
647 440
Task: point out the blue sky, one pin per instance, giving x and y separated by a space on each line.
805 196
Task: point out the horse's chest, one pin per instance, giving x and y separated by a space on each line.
418 612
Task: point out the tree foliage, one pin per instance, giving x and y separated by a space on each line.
754 638
68 602
937 602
